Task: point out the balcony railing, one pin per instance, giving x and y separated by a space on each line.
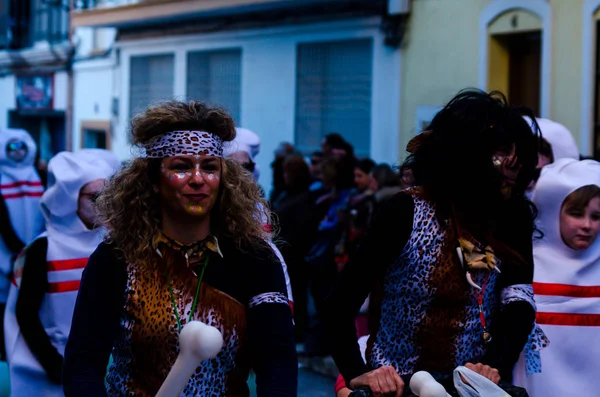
28 22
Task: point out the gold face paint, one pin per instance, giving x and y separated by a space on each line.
189 184
195 208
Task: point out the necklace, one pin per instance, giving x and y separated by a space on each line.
194 303
480 294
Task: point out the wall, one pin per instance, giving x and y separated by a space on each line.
92 97
7 99
93 78
269 81
565 93
439 57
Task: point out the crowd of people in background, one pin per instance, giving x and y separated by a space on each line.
323 206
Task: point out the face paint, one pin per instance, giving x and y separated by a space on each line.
195 208
189 185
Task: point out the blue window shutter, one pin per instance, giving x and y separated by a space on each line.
215 77
152 80
334 93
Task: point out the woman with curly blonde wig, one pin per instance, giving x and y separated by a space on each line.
185 242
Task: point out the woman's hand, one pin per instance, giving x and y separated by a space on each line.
345 392
383 382
485 370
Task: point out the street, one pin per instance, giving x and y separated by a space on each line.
310 384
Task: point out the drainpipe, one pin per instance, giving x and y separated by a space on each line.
70 89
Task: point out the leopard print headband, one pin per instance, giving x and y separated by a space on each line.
182 143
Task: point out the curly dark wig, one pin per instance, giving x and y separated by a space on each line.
452 162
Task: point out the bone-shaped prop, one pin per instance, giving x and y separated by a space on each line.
197 342
423 385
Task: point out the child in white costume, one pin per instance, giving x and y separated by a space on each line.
567 281
47 274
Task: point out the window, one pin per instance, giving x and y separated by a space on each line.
151 80
50 21
94 139
333 93
95 135
215 77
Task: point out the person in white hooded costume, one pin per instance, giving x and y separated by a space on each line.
48 272
20 216
567 281
243 149
560 139
558 144
21 189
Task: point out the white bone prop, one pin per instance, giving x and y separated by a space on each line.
197 342
423 385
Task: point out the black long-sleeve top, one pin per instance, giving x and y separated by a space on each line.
390 231
121 310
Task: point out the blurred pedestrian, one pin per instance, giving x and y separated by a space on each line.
47 275
281 152
316 158
384 183
297 226
20 190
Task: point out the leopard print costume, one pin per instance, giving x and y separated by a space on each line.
148 344
429 316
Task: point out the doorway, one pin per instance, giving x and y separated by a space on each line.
515 58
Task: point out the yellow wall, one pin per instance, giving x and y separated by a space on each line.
565 89
441 56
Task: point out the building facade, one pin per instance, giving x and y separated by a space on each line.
540 53
290 71
35 59
373 70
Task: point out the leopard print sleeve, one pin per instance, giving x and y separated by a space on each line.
268 297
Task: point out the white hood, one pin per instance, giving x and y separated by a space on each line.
559 137
245 141
553 258
564 285
250 139
20 186
69 173
25 168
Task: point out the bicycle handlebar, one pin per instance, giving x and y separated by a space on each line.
361 392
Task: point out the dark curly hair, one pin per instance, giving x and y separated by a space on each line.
452 161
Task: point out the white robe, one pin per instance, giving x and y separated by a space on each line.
567 292
70 243
21 188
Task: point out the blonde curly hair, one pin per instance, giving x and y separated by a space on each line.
131 210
